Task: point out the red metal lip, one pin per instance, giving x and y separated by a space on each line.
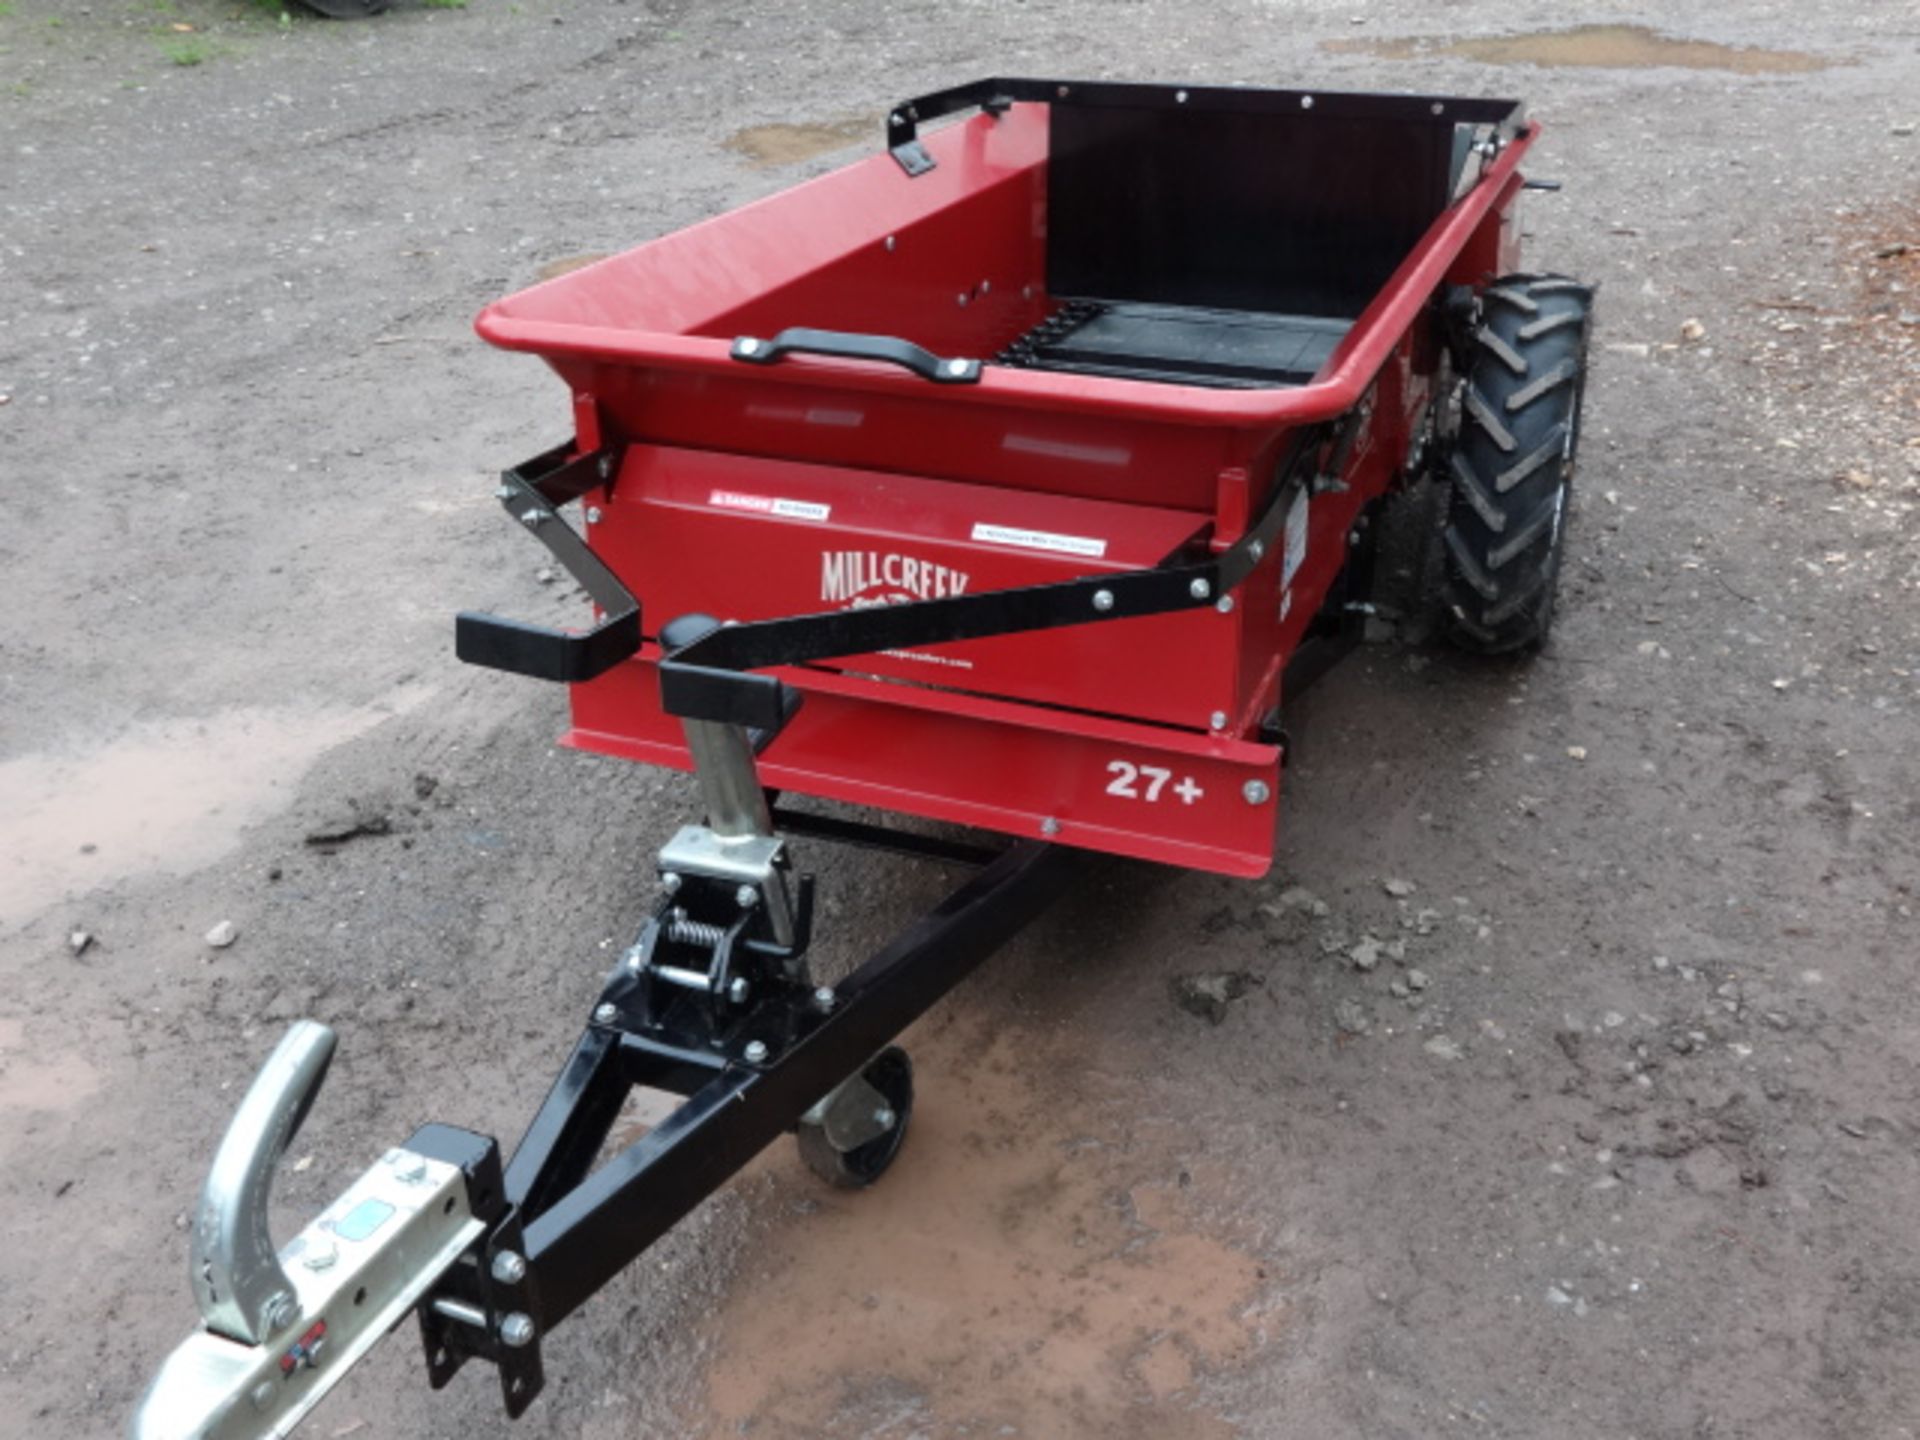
1350 369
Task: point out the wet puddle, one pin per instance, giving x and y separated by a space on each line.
1603 47
26 1083
167 797
1035 1265
768 145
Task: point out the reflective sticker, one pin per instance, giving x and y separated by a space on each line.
1039 540
1296 548
770 505
363 1220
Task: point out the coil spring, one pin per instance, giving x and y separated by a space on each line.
682 931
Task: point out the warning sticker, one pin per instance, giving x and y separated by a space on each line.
769 505
1296 537
1039 540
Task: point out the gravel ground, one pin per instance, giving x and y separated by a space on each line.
1566 1082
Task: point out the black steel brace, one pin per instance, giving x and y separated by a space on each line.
533 493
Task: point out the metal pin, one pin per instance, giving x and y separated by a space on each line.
509 1267
755 1052
1218 719
1256 792
606 1014
1199 589
593 514
516 1329
1103 599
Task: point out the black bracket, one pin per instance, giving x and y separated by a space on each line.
490 1290
997 95
533 493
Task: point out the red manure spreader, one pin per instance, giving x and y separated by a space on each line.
1017 477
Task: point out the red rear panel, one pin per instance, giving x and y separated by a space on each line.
751 539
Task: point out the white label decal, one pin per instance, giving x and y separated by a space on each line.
769 505
1146 782
1039 540
1296 551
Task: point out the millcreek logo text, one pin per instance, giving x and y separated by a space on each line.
856 578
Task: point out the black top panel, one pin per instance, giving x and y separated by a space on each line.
1297 213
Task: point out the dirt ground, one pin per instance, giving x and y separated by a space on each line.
1642 1159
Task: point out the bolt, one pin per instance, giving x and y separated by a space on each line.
1103 599
262 1394
509 1267
1353 537
1199 589
738 990
755 1052
606 467
963 297
636 960
593 514
746 897
282 1311
516 1329
532 518
320 1256
1218 720
669 882
505 492
606 1014
409 1167
1050 826
884 1117
894 119
1256 792
748 345
1224 604
314 1350
824 998
956 367
1180 97
1256 549
891 242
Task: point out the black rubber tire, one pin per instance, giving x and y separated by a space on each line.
346 9
1511 465
891 1073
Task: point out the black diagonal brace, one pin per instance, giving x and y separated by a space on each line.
533 494
704 680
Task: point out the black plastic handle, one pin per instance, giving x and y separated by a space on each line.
841 345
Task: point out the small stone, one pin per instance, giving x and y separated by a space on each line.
1352 1018
1418 979
1662 963
79 940
1576 752
1557 1296
1399 989
1209 995
1613 1020
1857 1131
1365 955
545 575
222 935
1857 480
1444 1047
1779 1020
1692 331
1298 897
1396 951
1903 130
1400 889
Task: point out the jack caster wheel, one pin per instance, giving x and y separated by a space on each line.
890 1074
